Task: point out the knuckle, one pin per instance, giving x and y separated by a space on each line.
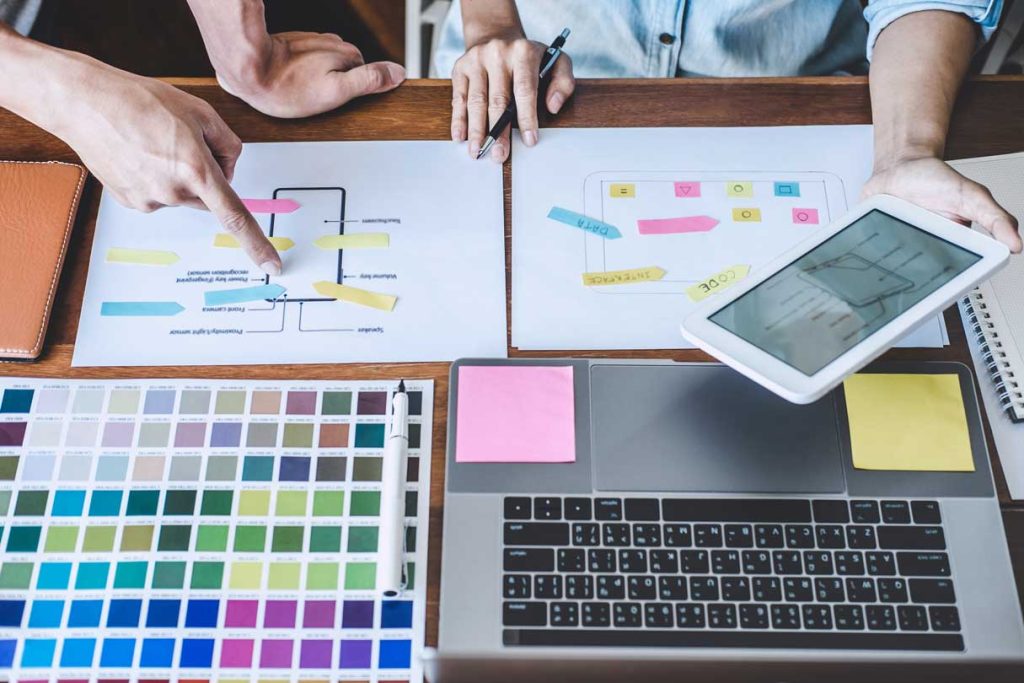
477 98
499 100
194 174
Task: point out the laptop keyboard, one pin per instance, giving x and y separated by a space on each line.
704 572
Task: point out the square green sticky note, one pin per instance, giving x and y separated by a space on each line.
212 538
360 576
254 503
250 539
336 403
23 539
31 503
98 539
298 435
284 576
16 575
174 537
291 504
61 539
179 502
142 503
5 502
362 539
207 575
322 576
217 503
168 574
230 403
325 539
287 539
365 504
328 503
130 575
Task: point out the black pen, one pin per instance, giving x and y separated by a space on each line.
551 56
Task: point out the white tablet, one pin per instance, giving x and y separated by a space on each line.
839 299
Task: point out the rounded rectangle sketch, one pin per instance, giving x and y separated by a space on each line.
321 209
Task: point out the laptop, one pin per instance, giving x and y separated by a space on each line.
710 528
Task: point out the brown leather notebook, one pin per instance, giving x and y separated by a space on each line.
38 202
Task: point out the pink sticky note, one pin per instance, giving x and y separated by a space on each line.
805 216
516 413
270 205
668 226
687 189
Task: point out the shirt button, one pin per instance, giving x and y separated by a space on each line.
667 38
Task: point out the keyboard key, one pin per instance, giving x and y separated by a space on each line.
756 562
785 617
864 512
850 563
892 590
596 614
753 616
767 589
849 617
615 535
643 510
725 561
817 617
672 588
572 560
677 535
739 536
516 586
703 588
938 591
944 618
769 536
923 564
517 508
693 561
611 587
689 615
764 510
547 508
818 563
860 537
529 560
830 511
647 535
607 509
586 534
895 512
798 589
658 615
799 536
536 533
564 614
579 509
721 616
707 535
831 536
926 512
905 537
861 590
547 587
787 562
735 588
829 590
601 560
881 617
664 561
881 564
579 587
627 615
524 614
641 588
633 561
912 618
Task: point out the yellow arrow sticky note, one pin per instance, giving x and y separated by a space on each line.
717 282
623 277
354 295
222 239
358 240
147 257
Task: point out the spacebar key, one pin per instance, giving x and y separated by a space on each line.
536 533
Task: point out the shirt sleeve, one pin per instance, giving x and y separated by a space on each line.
880 13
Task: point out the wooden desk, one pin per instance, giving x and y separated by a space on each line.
988 121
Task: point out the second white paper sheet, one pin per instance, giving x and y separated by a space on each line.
693 202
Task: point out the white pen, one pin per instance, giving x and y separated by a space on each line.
391 546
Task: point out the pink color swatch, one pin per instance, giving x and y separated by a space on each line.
236 654
687 189
271 205
670 226
516 413
805 216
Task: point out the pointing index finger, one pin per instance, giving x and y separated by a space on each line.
223 203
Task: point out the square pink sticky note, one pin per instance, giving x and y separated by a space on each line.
805 216
516 413
687 189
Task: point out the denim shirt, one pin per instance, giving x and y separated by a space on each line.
666 38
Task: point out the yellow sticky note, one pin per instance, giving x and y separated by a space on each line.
358 240
146 257
354 295
739 188
223 239
619 190
623 277
908 422
746 215
716 282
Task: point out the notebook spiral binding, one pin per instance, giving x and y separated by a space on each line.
1011 396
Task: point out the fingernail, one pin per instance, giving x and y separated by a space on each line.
530 138
555 105
271 268
458 135
396 73
498 151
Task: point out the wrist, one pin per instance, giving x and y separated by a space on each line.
237 42
894 151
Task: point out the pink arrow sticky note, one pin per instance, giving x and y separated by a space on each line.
687 189
669 226
271 205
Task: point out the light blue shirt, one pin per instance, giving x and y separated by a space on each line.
666 38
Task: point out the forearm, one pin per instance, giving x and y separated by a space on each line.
483 20
236 39
919 63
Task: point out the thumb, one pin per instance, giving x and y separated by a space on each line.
981 207
368 79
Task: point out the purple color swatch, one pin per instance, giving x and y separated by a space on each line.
276 654
357 614
225 434
190 435
301 403
241 613
12 433
318 614
236 654
118 434
356 654
373 402
279 614
315 654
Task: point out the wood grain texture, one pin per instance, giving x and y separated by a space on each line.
987 121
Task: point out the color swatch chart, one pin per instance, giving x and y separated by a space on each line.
206 530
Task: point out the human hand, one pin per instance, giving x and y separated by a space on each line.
301 74
933 184
488 75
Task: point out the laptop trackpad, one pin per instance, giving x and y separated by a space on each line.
706 428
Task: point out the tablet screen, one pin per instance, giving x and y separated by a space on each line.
844 290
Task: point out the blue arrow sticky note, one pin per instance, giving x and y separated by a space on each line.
586 223
223 297
140 308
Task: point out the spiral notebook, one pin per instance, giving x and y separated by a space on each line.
995 310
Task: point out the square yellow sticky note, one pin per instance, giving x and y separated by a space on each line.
254 503
739 188
908 422
746 215
246 575
620 190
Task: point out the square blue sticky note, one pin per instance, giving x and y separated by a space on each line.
12 612
53 576
17 401
105 503
163 614
38 653
92 575
85 613
117 653
157 653
124 613
395 654
196 653
396 614
7 650
78 652
202 613
68 503
369 436
46 614
787 189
